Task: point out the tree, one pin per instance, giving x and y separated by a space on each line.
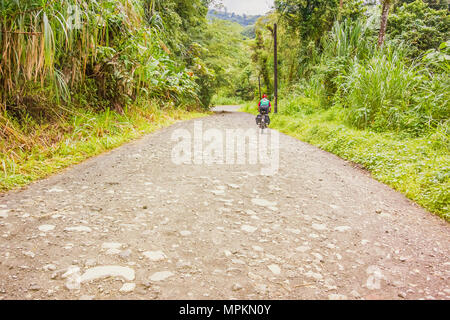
352 9
419 25
434 4
383 23
308 18
260 58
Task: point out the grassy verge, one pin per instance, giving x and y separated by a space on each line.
31 151
219 100
417 167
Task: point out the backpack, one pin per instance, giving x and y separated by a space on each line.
265 102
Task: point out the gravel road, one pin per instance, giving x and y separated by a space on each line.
134 224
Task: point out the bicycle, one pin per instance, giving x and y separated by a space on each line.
263 123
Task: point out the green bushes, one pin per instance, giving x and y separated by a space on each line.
379 92
115 47
227 54
420 26
401 87
225 100
380 89
348 39
296 104
388 93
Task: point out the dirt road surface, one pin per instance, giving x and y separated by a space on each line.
133 224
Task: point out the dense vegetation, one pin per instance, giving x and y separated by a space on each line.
229 55
377 96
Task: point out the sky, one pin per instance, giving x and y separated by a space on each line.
251 7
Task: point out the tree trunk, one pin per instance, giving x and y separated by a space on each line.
384 18
341 4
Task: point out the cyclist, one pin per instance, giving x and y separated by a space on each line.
264 107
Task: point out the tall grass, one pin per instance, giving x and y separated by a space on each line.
35 37
382 89
60 44
349 39
388 92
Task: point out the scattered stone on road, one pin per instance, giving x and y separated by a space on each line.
160 276
131 224
107 271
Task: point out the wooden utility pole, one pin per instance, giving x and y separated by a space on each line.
275 62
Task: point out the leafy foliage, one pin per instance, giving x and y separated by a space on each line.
420 26
308 18
227 55
382 89
105 53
